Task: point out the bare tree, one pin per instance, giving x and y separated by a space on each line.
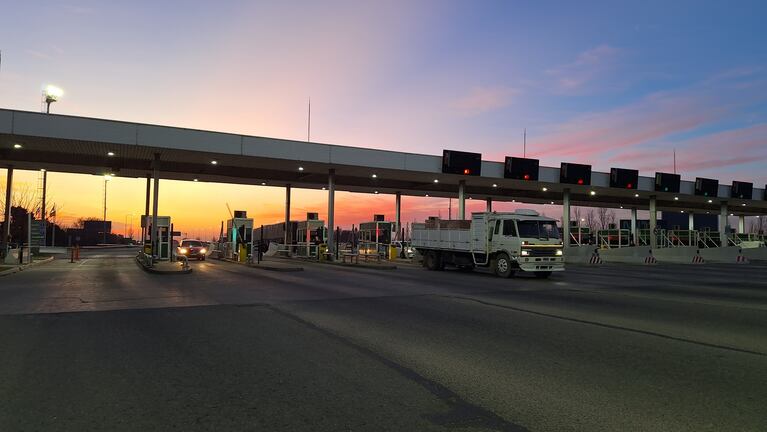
591 220
758 225
605 217
577 215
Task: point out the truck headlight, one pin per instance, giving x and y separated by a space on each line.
203 250
183 251
525 252
559 252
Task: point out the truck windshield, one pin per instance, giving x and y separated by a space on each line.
538 229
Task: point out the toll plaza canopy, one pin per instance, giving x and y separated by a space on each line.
34 141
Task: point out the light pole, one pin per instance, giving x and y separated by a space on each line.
52 94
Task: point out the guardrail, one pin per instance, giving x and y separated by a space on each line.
610 238
145 259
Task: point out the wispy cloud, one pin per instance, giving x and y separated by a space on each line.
650 120
588 67
483 99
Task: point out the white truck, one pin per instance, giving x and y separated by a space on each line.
504 242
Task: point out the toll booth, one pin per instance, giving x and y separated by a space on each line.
310 234
376 236
164 237
239 242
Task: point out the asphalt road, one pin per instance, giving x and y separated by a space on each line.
101 345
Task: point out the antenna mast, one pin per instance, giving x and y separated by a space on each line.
309 122
524 143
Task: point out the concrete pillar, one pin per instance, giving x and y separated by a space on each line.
741 224
155 204
287 238
146 207
42 210
653 223
691 221
566 217
398 214
8 196
723 223
462 200
489 206
331 212
634 232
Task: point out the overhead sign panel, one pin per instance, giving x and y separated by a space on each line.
706 187
463 163
742 190
666 182
573 173
624 178
521 168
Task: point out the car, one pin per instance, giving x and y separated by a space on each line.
191 248
404 250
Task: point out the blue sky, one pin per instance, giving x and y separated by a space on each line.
609 83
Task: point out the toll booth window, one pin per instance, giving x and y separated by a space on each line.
509 229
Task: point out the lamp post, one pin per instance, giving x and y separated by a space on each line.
52 94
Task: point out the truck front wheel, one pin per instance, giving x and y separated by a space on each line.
502 266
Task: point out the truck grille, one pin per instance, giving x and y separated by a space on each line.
543 252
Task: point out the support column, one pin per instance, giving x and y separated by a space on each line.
489 205
653 223
741 224
566 217
462 200
723 225
146 210
331 212
8 196
43 218
287 238
155 204
398 214
634 231
691 221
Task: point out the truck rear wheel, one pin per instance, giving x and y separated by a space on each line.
542 274
502 266
431 260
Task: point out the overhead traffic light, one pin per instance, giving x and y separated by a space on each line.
706 187
573 173
624 178
463 163
521 168
742 190
666 182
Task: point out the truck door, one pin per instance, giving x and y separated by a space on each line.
509 239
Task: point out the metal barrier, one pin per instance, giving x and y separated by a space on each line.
145 259
184 262
682 238
614 238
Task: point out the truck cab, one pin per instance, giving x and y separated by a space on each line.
522 240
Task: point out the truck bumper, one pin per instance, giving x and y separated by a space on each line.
534 264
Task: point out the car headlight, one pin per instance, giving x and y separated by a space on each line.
525 252
183 251
203 250
559 252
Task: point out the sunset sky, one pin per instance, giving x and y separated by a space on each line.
606 83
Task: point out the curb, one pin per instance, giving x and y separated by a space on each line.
161 272
340 264
266 267
17 269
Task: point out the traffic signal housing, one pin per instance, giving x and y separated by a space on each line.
521 168
462 163
624 178
573 173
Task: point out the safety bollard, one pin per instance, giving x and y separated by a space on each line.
71 255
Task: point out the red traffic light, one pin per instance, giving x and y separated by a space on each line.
580 181
629 186
467 171
526 176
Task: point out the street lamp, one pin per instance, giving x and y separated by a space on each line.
52 94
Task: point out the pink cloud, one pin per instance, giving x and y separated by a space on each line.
589 65
483 99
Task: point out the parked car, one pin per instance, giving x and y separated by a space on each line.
404 250
192 249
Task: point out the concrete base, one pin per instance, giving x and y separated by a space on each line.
756 254
579 254
627 255
721 254
679 255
